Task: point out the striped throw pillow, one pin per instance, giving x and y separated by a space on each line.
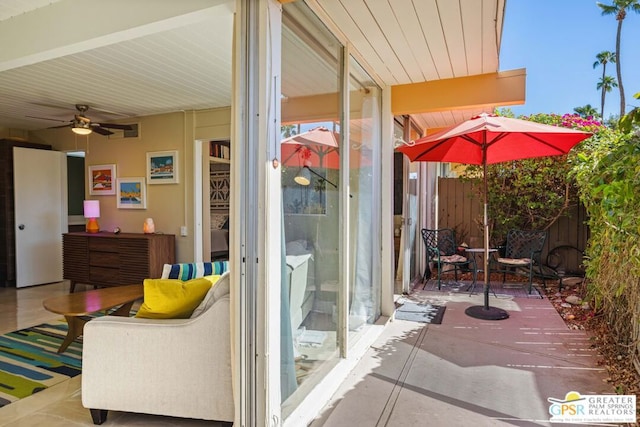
194 270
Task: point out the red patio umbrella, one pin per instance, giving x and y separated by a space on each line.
319 148
488 139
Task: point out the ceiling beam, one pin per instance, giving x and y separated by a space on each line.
501 89
73 26
319 108
306 109
493 89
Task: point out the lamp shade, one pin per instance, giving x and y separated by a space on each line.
91 212
92 209
303 177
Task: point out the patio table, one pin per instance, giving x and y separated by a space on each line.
477 254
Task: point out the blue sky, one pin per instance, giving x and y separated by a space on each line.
557 42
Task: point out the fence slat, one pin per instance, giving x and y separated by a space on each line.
462 210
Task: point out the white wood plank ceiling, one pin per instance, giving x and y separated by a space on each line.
185 63
413 41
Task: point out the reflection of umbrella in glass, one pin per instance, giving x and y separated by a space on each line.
488 139
319 148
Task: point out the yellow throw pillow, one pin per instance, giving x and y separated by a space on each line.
172 298
213 278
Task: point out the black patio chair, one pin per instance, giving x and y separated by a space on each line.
442 251
563 262
521 254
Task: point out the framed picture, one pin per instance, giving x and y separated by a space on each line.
162 167
102 179
132 193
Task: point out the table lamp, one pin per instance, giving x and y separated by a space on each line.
92 212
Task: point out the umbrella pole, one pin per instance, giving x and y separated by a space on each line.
486 250
484 311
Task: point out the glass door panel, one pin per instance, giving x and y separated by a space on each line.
310 152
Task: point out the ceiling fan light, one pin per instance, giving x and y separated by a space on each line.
81 128
81 131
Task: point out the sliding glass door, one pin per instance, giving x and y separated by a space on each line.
331 178
311 147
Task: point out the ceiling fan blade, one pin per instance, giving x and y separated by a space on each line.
83 108
114 113
101 131
46 118
59 107
59 127
115 126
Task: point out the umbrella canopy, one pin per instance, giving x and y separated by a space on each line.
319 148
488 139
500 139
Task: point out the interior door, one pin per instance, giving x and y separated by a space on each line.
40 193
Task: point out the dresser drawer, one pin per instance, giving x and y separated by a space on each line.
101 275
104 259
103 245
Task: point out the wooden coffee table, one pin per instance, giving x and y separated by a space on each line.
76 306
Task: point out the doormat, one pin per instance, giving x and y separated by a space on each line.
424 313
29 361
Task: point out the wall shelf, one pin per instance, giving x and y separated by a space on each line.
219 160
220 151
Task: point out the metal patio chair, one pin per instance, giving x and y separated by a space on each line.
441 251
521 255
563 262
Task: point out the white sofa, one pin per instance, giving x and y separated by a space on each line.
174 367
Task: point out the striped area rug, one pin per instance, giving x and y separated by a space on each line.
29 361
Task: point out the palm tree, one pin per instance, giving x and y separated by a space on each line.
289 130
606 84
603 58
619 10
586 111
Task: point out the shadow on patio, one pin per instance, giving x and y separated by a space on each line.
468 371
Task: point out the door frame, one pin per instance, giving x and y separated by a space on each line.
409 272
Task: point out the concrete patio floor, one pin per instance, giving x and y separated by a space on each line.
467 371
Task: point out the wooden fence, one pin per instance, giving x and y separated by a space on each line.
460 209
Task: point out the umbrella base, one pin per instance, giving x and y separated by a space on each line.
486 313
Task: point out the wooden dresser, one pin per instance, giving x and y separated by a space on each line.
107 259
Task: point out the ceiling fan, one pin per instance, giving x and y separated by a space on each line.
82 125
